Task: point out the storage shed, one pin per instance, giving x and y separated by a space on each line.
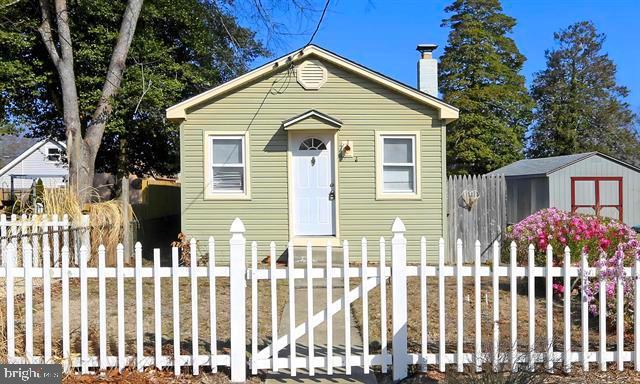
591 183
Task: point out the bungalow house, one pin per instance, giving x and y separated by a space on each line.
313 147
24 160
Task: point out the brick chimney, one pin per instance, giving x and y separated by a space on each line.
427 69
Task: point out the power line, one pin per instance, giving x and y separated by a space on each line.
324 11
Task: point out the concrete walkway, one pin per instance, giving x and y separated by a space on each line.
320 335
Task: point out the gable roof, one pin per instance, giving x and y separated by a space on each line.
14 149
446 112
547 165
312 113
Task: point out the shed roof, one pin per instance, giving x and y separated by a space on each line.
547 165
12 146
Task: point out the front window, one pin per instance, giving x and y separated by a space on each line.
228 166
398 164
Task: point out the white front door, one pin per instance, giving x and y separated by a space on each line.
313 184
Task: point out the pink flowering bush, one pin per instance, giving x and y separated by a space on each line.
608 244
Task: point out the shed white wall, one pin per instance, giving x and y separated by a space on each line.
526 195
560 185
36 164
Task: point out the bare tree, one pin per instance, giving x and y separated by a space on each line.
82 150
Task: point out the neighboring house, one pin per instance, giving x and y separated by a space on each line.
590 183
27 159
314 147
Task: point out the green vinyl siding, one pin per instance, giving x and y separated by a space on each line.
363 107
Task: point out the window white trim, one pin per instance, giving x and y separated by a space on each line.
209 192
58 154
381 194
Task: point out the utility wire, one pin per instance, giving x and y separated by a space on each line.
324 11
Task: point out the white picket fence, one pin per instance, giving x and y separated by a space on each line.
370 276
23 229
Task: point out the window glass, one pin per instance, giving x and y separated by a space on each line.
398 150
227 164
398 164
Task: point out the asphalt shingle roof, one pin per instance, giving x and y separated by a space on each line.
540 166
12 146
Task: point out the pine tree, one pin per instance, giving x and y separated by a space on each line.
580 107
480 74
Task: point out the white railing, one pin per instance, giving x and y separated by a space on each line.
370 277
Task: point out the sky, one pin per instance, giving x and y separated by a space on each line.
383 34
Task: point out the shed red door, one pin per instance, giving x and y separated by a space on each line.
600 196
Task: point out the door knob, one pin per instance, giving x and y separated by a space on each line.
332 195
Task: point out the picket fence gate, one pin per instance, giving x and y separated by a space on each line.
370 276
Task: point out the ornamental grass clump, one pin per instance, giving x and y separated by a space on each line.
608 244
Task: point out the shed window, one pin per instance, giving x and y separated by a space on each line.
600 196
228 166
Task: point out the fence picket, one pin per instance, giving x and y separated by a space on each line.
329 319
9 280
157 310
46 299
120 294
84 320
14 236
365 307
514 305
383 308
139 309
254 307
398 299
102 304
636 316
274 305
175 301
602 317
584 312
292 310
478 305
195 365
566 280
620 323
441 306
213 324
310 340
423 304
66 344
496 305
459 308
347 309
549 306
3 239
28 300
531 281
55 234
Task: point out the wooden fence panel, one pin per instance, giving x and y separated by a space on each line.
476 210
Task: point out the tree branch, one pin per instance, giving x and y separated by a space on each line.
114 73
45 31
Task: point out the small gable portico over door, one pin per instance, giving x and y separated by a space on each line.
312 176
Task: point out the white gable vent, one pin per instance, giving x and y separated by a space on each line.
311 74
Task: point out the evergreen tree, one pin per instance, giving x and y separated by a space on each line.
580 107
480 74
